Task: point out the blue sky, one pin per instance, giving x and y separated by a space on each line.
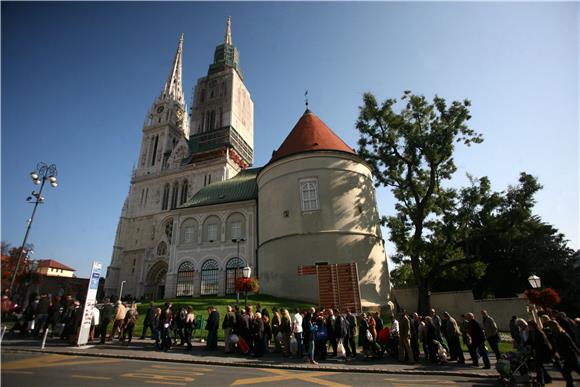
78 79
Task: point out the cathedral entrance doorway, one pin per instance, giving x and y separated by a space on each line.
155 281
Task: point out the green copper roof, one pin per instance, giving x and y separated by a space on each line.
239 188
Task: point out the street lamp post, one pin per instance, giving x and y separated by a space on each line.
121 291
535 283
237 240
39 176
246 272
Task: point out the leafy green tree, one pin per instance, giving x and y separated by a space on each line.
411 151
505 242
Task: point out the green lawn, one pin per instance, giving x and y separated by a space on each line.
503 347
200 305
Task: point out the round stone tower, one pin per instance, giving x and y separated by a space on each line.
316 205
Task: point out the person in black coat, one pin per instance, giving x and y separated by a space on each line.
541 350
75 322
149 319
165 323
306 334
476 338
257 332
330 323
566 350
362 334
105 319
212 326
320 341
349 343
341 329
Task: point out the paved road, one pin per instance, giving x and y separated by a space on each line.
41 370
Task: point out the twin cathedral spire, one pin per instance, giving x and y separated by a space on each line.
219 122
173 88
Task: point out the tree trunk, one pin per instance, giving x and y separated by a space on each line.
424 299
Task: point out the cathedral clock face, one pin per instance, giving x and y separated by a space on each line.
160 109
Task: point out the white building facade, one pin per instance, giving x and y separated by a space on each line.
196 214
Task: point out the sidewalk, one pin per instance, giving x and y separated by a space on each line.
145 350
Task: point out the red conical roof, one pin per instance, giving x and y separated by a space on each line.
310 134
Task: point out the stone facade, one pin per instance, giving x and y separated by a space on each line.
195 215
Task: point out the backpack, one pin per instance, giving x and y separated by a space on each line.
321 334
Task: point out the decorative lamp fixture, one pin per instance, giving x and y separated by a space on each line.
39 176
535 281
246 272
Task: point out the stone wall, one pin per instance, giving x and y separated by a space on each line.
459 302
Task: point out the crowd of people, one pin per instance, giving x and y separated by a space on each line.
313 335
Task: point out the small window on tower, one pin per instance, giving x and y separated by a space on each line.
309 194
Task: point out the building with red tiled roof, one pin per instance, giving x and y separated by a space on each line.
316 205
52 268
310 134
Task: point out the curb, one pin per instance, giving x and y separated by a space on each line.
297 367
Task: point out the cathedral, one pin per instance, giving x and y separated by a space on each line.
197 211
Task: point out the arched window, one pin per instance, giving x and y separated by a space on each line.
185 279
188 233
162 248
174 195
212 229
184 187
236 227
233 272
165 201
209 278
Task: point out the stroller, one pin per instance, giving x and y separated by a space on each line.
514 369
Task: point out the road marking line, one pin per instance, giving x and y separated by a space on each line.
90 377
17 372
281 375
415 382
34 362
146 374
163 366
323 382
170 371
172 383
83 362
